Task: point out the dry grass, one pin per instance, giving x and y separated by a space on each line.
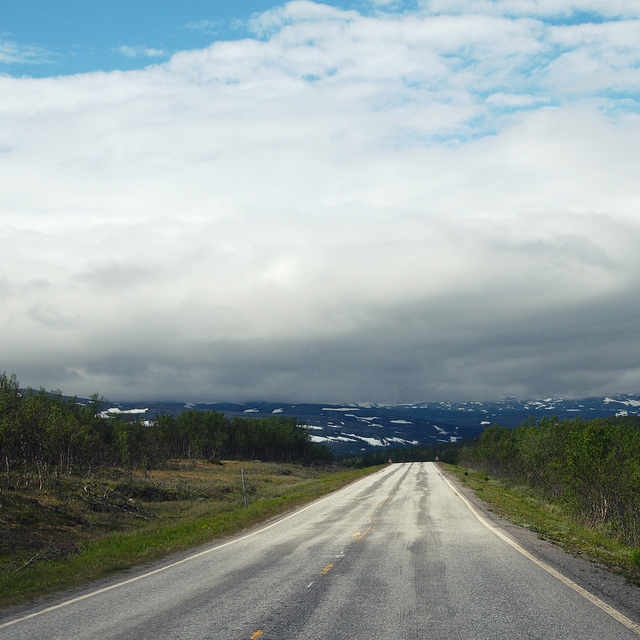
81 529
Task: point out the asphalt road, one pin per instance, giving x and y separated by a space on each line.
399 554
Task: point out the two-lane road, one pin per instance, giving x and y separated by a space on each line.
396 555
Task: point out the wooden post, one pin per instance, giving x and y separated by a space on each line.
244 492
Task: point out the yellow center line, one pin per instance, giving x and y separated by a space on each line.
363 534
326 569
257 634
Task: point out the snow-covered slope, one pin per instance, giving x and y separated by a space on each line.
354 428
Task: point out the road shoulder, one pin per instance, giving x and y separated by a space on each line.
611 588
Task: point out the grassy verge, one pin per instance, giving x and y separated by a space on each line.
82 529
552 522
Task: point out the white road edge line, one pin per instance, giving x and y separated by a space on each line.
614 613
179 562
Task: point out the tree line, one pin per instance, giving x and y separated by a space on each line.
593 466
44 435
445 452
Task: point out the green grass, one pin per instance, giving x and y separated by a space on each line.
70 533
522 506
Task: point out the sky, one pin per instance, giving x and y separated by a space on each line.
374 201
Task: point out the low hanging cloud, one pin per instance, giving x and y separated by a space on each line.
345 207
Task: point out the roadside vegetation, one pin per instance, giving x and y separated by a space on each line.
575 482
45 437
82 496
85 527
443 452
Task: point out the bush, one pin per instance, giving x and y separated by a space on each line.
592 466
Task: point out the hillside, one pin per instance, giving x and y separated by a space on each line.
354 428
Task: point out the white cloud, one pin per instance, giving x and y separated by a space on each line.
589 9
129 52
203 25
351 208
516 100
387 4
140 51
15 53
154 53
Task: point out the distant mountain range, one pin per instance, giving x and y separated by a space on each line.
355 428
